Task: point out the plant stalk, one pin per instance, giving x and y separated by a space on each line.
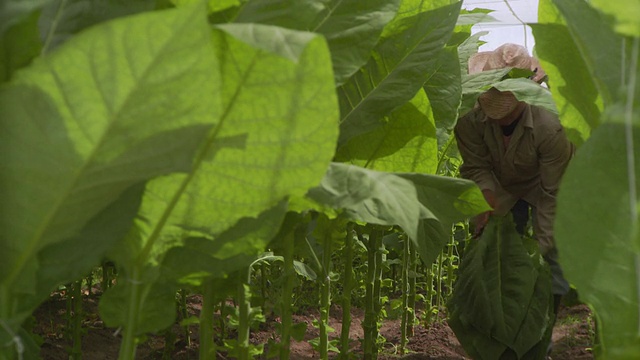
405 297
347 277
244 307
377 288
429 296
76 351
207 348
129 341
287 292
411 301
325 293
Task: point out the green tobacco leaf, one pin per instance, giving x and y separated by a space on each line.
397 69
600 47
409 8
232 250
213 5
449 200
304 270
475 84
528 91
13 12
626 13
62 19
276 138
351 27
502 298
475 16
66 261
370 196
110 109
601 258
570 81
524 89
425 206
406 143
159 311
444 89
19 45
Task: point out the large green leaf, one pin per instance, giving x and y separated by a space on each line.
528 91
570 81
444 88
234 249
61 19
371 196
19 45
475 84
406 143
82 125
351 27
13 12
403 199
397 69
449 200
275 138
407 9
66 261
601 48
602 258
626 13
502 299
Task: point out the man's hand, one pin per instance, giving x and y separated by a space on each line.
490 197
481 220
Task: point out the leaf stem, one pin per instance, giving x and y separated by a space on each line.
129 343
289 282
325 293
53 27
346 293
207 348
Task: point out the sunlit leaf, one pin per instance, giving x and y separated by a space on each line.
397 69
626 13
84 124
600 47
602 258
406 143
351 27
275 138
570 81
61 19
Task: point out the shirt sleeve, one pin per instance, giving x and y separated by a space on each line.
476 158
554 155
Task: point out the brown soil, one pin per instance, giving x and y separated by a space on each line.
572 337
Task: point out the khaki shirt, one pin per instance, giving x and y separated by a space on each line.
530 167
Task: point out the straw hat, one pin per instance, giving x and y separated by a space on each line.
494 103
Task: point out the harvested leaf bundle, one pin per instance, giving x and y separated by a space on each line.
501 305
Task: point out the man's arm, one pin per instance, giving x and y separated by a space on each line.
475 154
476 164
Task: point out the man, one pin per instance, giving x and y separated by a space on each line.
516 153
